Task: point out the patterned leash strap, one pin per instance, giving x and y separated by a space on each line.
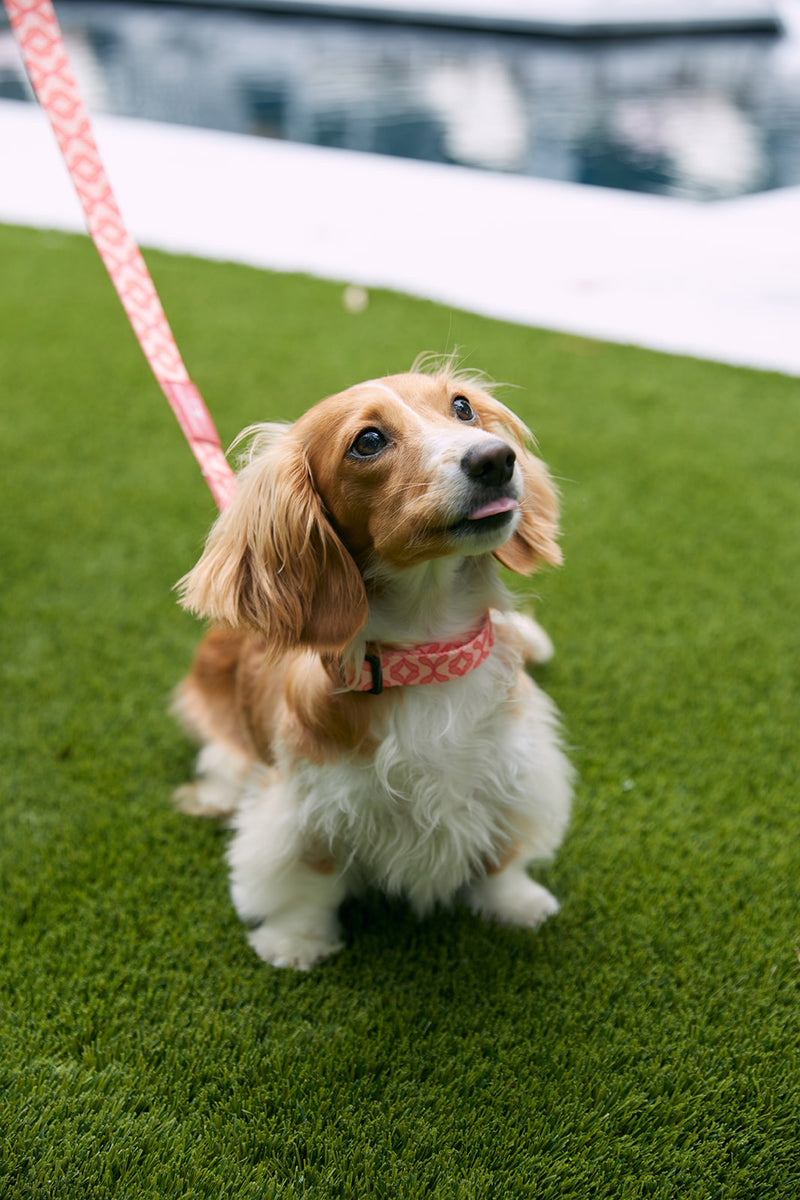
37 31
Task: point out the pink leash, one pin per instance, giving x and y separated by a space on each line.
36 28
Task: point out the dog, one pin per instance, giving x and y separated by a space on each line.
361 700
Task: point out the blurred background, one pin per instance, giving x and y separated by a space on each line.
700 101
628 170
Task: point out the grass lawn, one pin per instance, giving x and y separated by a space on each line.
645 1043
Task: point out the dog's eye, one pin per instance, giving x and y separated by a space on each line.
368 443
463 409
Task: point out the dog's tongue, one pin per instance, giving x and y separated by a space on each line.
506 504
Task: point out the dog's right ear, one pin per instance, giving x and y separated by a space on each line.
273 563
534 541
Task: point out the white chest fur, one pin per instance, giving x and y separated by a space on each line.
464 772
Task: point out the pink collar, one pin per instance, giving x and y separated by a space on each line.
434 662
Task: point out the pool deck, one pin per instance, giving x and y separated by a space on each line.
718 281
556 18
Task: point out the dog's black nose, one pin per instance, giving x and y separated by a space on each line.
490 463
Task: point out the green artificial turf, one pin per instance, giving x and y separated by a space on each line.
645 1042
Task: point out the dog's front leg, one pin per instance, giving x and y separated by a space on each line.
511 897
291 896
305 930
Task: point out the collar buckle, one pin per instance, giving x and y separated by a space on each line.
376 669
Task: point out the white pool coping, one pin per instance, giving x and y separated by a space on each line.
718 281
554 17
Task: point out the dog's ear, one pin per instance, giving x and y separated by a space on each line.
273 563
534 540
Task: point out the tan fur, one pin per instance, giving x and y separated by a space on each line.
284 562
274 565
494 866
324 547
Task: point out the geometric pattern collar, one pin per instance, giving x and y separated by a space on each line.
433 662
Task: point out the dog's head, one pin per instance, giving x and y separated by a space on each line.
391 473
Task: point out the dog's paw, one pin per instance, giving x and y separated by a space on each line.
538 643
513 899
530 908
283 948
533 641
197 800
221 776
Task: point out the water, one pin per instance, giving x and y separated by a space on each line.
702 117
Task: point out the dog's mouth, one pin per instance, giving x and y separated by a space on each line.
502 507
491 515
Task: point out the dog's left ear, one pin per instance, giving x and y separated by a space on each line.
273 564
534 540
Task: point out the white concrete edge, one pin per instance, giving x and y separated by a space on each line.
719 281
559 18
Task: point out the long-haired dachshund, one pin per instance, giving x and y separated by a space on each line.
361 701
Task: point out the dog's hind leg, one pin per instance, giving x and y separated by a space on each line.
221 776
